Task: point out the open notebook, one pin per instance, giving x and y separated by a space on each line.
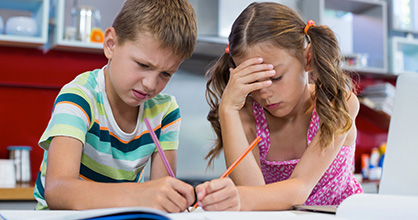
399 176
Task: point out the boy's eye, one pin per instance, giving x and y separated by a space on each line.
165 74
142 65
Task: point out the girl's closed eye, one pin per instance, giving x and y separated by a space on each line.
276 78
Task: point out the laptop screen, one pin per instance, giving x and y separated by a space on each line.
400 166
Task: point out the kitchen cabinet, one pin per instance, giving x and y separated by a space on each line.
361 27
37 9
64 17
403 55
403 17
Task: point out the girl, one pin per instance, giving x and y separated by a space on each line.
280 79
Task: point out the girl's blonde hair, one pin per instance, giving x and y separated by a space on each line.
171 22
282 26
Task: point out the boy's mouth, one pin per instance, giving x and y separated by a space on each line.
140 94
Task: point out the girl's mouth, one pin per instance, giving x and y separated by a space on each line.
273 106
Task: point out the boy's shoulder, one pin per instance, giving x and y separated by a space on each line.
161 98
85 81
161 103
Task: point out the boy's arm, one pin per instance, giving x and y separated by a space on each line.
63 189
158 168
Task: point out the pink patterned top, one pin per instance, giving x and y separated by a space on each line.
335 185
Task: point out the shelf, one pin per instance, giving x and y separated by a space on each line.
378 118
63 18
211 46
79 46
354 6
38 9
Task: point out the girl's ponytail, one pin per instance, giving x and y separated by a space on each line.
332 85
218 76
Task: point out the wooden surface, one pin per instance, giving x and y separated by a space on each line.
20 192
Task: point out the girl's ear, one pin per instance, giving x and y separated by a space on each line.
307 58
109 42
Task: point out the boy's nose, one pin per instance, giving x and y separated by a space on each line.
150 82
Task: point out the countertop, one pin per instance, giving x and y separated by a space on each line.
20 192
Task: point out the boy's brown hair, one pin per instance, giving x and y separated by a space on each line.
171 22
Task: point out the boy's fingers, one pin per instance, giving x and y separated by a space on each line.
185 190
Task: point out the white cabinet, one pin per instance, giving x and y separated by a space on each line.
37 9
63 16
403 55
361 27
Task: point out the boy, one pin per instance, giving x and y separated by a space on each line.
96 144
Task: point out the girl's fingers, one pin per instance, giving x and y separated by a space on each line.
251 66
249 62
225 205
256 76
201 190
221 195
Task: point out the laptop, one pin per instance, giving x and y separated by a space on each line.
400 166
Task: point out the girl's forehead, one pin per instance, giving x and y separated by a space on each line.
265 51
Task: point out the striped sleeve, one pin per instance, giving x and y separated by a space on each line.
164 115
71 117
170 127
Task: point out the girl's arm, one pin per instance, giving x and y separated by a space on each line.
249 76
313 164
235 141
63 189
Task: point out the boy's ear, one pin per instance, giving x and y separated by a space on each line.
109 42
307 56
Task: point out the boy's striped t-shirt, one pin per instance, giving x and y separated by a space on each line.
82 111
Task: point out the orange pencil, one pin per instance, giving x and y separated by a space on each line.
237 161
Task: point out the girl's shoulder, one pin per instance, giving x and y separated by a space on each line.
353 104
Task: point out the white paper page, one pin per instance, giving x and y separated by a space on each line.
34 215
282 215
70 215
378 206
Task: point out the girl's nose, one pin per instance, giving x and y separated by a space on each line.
266 93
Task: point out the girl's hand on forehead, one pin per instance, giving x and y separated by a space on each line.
248 76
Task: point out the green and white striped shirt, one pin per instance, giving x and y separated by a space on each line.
82 111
